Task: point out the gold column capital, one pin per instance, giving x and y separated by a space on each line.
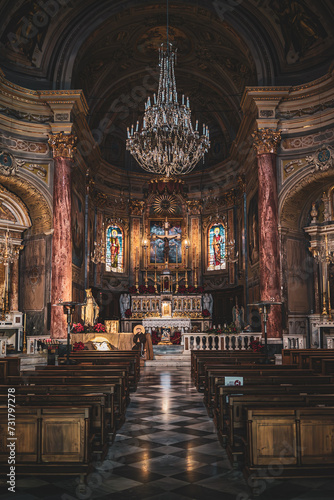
63 145
266 140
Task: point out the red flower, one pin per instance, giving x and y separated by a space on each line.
182 289
205 313
155 338
142 289
200 289
150 289
128 313
132 289
256 346
191 289
176 339
78 328
78 346
99 327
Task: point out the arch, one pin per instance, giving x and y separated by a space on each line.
300 192
13 212
36 204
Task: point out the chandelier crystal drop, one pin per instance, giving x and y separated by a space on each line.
168 144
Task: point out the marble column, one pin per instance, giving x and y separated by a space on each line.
14 286
61 267
265 143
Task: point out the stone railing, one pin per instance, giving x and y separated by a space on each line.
214 342
294 341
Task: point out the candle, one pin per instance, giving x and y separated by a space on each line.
24 321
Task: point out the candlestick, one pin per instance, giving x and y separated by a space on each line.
177 272
24 350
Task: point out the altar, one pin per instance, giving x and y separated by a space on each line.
179 312
181 324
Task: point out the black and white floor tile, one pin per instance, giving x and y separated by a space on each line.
167 449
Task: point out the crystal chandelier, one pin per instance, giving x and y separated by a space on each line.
167 144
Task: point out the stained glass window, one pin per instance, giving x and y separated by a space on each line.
115 249
216 247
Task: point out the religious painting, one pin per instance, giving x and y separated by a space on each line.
78 230
165 247
253 230
216 247
115 249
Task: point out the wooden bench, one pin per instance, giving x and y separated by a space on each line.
50 380
99 422
301 357
50 440
229 356
9 366
294 442
215 376
236 422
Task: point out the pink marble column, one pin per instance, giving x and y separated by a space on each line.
265 143
14 286
61 266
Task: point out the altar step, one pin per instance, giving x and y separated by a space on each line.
169 355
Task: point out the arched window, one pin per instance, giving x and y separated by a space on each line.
115 249
216 247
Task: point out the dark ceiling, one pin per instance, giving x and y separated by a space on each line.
110 50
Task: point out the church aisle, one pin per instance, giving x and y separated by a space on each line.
167 449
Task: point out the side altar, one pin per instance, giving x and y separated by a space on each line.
178 312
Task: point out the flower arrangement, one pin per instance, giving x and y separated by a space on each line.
256 346
229 329
128 313
78 328
99 327
78 346
132 289
142 289
205 313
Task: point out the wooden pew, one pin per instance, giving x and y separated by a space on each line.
110 357
50 380
99 421
235 357
301 357
236 421
296 442
223 394
327 366
201 362
215 376
50 440
9 366
77 391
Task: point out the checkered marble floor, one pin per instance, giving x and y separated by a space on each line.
167 449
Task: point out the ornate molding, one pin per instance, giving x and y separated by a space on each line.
16 144
194 207
136 207
322 159
8 163
266 141
63 145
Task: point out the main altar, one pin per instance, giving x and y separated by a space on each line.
177 312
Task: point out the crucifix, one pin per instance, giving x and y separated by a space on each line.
166 238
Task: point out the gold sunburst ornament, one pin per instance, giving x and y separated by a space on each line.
165 203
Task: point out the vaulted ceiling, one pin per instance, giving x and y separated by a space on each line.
109 48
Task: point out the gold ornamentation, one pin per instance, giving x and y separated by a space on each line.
39 210
63 145
136 207
194 206
164 204
266 140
